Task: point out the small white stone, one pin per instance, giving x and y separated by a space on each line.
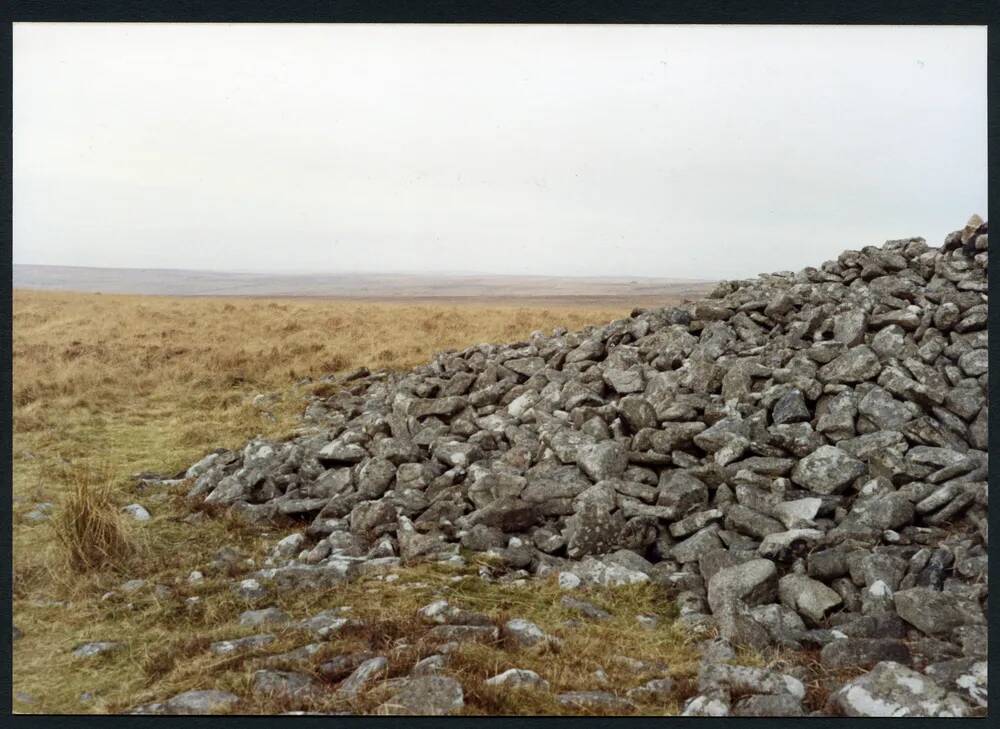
568 581
518 678
649 622
137 512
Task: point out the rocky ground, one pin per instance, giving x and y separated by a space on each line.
798 462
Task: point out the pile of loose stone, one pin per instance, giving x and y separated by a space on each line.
800 460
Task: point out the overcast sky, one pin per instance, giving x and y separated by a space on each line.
678 151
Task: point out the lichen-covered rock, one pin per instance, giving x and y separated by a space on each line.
863 652
810 598
433 695
253 618
746 679
522 633
827 470
768 705
891 689
366 672
285 684
200 702
937 613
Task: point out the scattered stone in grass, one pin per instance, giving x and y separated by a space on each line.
252 618
590 700
431 664
239 645
707 705
201 702
440 612
289 546
284 684
97 648
298 656
568 581
584 608
522 633
249 589
366 673
325 624
137 511
433 695
342 666
519 678
442 634
132 586
656 690
41 512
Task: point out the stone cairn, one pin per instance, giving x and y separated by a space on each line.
799 460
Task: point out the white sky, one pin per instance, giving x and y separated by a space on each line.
679 151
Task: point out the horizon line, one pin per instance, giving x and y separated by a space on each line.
314 274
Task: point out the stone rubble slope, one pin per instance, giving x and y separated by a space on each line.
800 460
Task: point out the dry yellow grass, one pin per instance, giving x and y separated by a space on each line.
108 354
123 384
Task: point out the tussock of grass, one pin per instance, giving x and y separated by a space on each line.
90 527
